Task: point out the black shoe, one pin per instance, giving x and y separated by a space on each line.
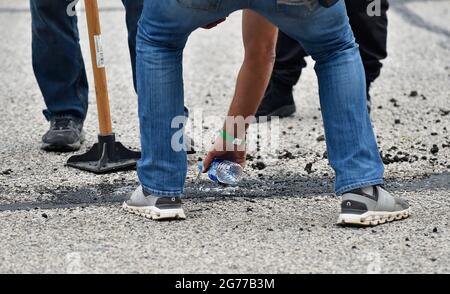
277 102
65 134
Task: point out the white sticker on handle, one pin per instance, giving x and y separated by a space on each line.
100 57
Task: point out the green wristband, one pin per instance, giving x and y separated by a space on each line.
227 137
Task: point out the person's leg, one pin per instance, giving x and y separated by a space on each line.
59 69
371 35
57 61
163 32
290 60
133 10
352 149
326 35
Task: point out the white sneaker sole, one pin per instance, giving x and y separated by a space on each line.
373 218
154 213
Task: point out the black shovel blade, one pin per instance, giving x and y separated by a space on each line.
106 156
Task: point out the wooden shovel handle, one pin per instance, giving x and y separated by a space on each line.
101 86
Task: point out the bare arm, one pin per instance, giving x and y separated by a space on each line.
260 38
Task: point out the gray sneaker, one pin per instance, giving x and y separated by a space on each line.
371 206
153 207
65 134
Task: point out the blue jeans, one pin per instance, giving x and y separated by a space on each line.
57 60
325 34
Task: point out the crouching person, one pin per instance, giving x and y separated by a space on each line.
325 34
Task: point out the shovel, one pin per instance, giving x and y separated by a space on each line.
107 155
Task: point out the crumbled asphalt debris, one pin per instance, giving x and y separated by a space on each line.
44 215
286 155
7 172
394 102
321 138
397 121
413 158
434 134
249 209
444 112
388 158
249 157
435 230
413 94
308 168
434 150
325 155
259 165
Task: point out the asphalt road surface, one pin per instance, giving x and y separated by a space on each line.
54 219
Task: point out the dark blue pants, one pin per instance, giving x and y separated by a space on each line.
57 60
370 33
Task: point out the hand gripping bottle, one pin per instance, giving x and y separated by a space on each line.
224 172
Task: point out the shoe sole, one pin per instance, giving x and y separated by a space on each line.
61 148
154 213
64 148
372 218
281 112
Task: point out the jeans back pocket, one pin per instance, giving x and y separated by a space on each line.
207 5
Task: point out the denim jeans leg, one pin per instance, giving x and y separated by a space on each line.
326 35
133 10
162 34
57 60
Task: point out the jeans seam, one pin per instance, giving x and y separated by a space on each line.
161 193
359 184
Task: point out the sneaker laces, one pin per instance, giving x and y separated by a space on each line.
62 123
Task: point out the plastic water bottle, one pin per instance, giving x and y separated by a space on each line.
224 172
